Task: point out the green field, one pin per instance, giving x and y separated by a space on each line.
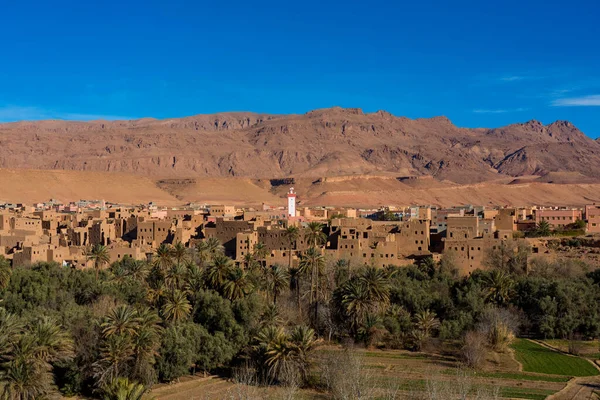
536 358
587 348
518 376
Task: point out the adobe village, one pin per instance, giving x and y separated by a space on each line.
232 257
398 236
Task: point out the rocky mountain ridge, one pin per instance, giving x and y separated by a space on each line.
324 142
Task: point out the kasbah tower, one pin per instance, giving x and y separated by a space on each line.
291 196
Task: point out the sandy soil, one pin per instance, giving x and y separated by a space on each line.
30 186
20 185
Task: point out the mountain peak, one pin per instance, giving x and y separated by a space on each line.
325 142
335 111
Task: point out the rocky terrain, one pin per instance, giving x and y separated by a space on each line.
333 157
321 143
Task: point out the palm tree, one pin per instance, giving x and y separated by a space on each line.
377 284
250 262
180 253
369 328
218 270
99 255
313 262
295 275
53 343
342 271
163 257
25 355
119 271
498 286
292 233
25 376
149 319
280 355
214 247
271 316
314 234
175 276
202 252
274 348
543 228
138 270
356 300
426 322
154 294
276 281
10 329
115 353
427 265
303 341
5 272
237 285
145 345
260 253
123 389
122 320
177 307
194 278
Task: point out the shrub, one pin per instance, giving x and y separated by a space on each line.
474 350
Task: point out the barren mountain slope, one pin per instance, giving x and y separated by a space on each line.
372 191
320 143
31 186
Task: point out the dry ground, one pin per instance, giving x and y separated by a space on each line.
401 372
29 186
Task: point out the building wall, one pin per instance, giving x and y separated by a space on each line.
33 225
154 232
102 232
226 232
462 227
222 210
117 253
592 216
469 254
558 218
506 219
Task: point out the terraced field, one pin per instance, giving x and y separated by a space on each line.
540 359
400 374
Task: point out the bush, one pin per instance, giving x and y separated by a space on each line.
498 325
474 349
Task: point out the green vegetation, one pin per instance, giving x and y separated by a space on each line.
540 359
518 393
121 328
519 376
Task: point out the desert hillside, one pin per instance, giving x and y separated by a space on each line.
31 186
327 142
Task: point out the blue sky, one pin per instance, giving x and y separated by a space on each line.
480 63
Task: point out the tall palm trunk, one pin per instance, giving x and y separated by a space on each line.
298 295
316 296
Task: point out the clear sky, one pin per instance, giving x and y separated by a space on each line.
480 63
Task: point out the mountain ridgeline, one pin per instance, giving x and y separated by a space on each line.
325 142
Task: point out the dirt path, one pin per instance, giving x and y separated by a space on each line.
584 388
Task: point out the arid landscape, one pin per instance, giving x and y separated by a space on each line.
322 200
333 157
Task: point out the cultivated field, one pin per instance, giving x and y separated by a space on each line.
395 374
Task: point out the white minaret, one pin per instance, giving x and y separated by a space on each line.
291 196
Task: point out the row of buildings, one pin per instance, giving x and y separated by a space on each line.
52 232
